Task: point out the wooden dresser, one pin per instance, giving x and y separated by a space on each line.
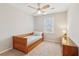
69 47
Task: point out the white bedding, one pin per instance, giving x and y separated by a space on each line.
32 39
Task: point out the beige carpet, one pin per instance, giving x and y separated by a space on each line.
43 49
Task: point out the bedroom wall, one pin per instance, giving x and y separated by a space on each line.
60 23
12 22
73 23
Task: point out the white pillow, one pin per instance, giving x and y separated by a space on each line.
37 33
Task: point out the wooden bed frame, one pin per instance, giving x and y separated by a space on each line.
20 43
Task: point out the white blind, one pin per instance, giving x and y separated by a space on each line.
48 23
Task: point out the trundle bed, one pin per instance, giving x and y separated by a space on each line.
26 42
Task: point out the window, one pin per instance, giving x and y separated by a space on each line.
48 23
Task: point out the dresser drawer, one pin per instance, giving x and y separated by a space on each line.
70 51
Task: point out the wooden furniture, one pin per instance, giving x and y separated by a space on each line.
20 42
69 47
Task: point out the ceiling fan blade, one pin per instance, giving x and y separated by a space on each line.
45 7
31 7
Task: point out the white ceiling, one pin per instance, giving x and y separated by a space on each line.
59 7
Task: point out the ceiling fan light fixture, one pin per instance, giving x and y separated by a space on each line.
39 12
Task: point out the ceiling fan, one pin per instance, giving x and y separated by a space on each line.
39 9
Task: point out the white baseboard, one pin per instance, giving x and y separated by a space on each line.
5 50
53 41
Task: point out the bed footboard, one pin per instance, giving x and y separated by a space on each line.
20 43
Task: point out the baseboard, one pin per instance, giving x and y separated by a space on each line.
53 41
5 50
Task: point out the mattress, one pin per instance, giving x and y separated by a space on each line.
32 39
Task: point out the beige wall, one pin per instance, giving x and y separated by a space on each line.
60 23
12 21
73 23
38 23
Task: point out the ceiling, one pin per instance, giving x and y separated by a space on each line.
59 7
